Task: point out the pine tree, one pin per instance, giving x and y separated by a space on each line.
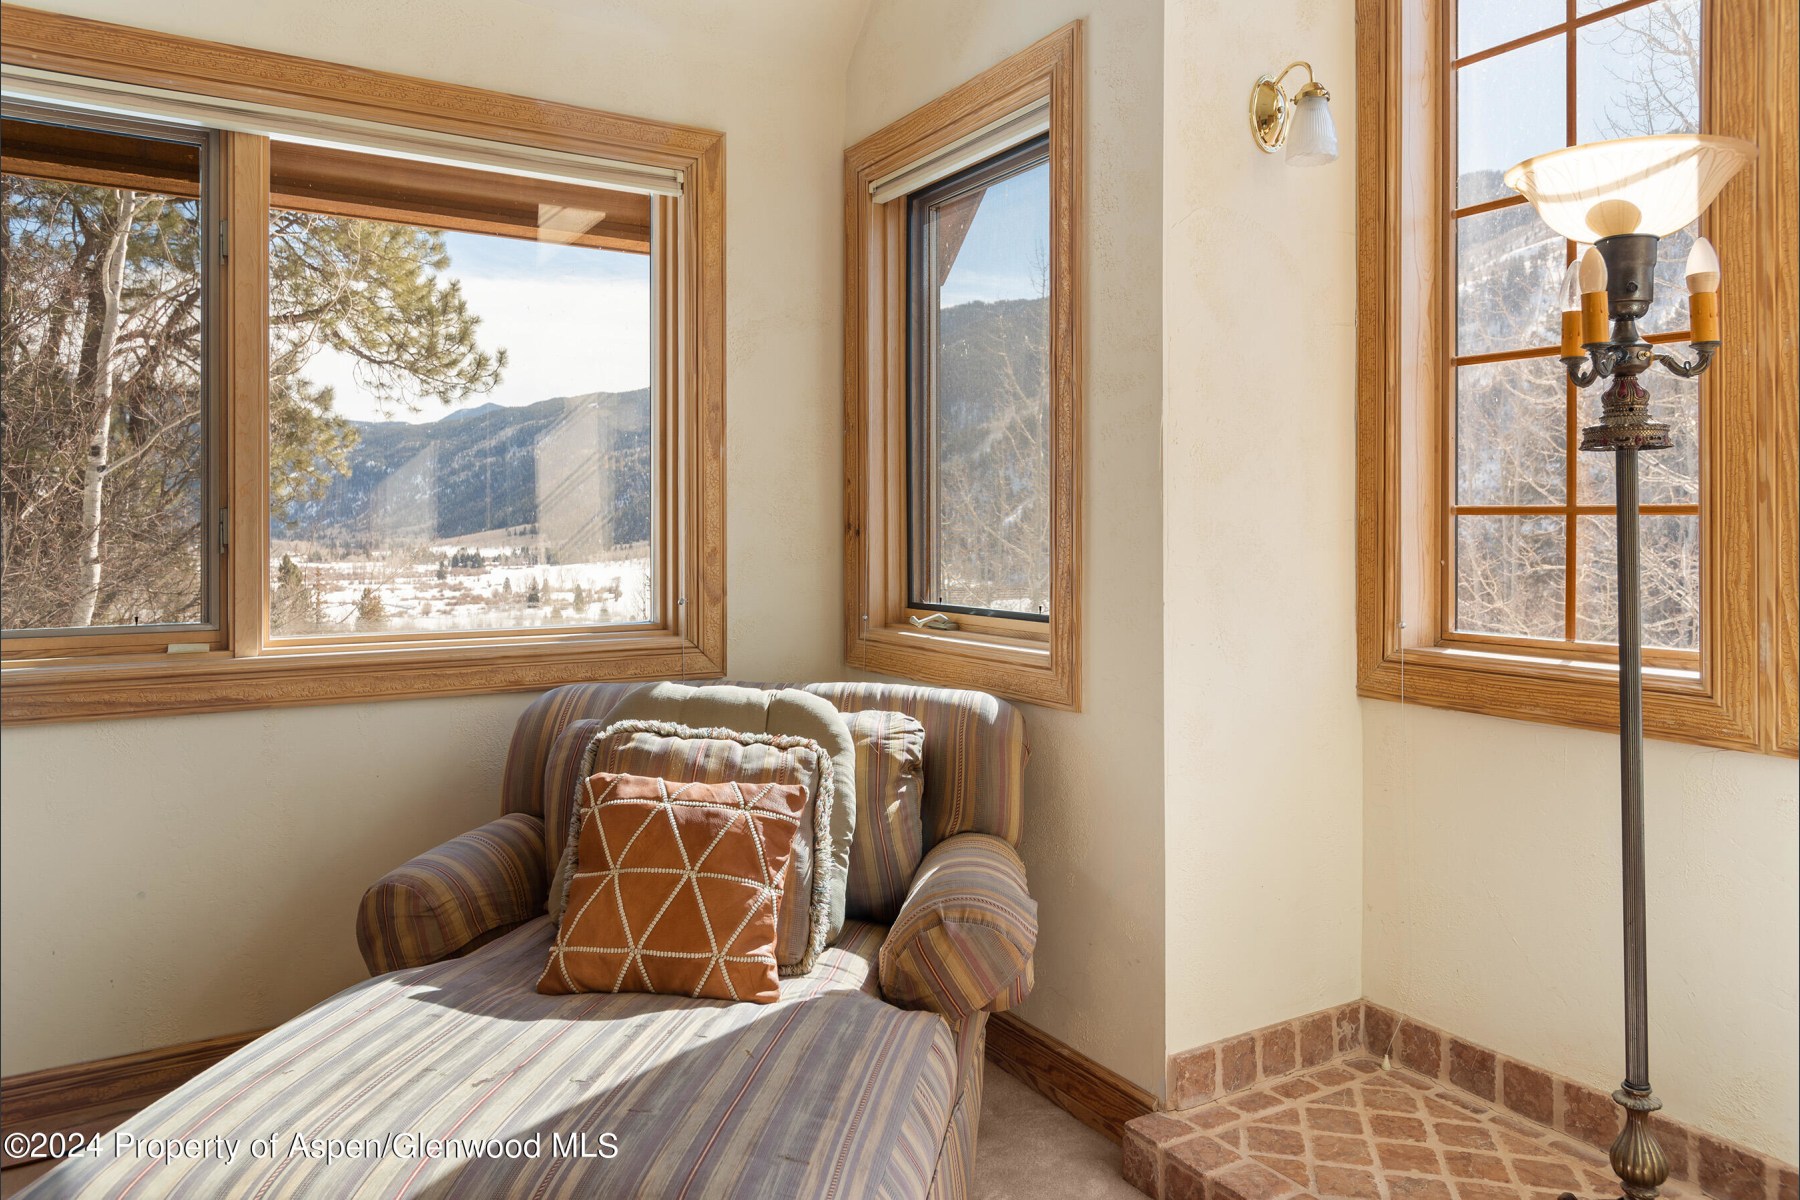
371 613
104 443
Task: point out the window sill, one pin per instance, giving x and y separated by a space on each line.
1679 705
1026 669
72 690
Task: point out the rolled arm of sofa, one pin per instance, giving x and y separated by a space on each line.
448 899
964 937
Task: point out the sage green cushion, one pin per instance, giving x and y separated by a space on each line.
783 712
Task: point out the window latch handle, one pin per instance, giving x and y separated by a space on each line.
934 621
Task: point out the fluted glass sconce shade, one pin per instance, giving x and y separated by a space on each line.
1312 142
1652 185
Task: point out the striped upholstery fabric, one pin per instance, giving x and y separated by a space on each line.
890 751
522 787
827 1093
974 749
964 939
956 1159
448 898
974 754
562 775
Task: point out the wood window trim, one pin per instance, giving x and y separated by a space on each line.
1033 661
1743 694
685 640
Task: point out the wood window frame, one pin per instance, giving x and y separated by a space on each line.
1741 694
243 668
1027 659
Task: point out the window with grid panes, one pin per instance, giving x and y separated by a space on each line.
1530 537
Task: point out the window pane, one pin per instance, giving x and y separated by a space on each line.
1511 432
461 420
1509 575
1508 108
1669 554
982 435
1669 476
105 485
1484 23
1509 268
1639 72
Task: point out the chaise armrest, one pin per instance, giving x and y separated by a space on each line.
963 940
450 899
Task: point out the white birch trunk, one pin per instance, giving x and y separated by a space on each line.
93 491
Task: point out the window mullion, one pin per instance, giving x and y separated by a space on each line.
244 378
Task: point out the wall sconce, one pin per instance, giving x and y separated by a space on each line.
1301 122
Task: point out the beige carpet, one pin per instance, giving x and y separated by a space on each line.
1029 1149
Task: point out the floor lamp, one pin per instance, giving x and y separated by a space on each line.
1624 196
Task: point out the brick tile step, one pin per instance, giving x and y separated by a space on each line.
1354 1130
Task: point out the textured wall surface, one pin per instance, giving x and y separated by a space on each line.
1492 863
1263 760
235 847
1093 789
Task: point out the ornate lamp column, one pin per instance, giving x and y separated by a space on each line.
1627 195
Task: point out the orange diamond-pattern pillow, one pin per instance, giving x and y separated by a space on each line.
676 889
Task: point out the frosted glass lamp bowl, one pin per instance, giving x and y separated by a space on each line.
1641 185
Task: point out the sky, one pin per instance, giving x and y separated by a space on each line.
1007 243
572 320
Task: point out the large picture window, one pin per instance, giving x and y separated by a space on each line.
416 393
461 437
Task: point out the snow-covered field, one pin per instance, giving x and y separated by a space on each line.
421 593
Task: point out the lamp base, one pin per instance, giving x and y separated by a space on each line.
1637 1157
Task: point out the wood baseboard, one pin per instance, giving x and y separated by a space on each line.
75 1097
1094 1095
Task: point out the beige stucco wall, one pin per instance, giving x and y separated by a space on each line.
174 879
1093 787
1263 767
1491 854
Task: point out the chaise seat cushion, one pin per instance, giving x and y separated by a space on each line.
829 1091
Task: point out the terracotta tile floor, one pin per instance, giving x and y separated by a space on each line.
1352 1130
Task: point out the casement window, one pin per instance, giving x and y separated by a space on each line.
312 404
962 404
1486 580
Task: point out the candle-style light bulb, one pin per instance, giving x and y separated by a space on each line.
1703 291
1594 319
1571 311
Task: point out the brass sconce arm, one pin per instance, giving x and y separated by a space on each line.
1272 106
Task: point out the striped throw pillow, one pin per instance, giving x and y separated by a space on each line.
889 842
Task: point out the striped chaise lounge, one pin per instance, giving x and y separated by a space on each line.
448 1075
